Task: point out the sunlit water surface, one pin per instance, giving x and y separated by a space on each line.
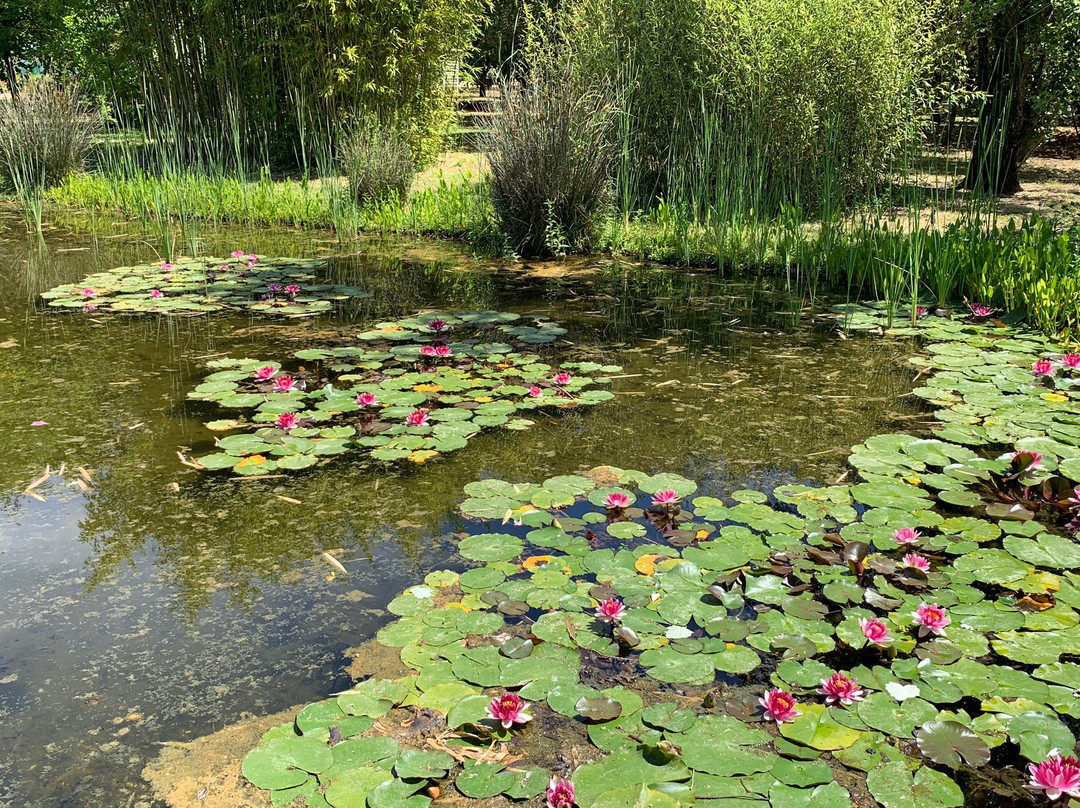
154 603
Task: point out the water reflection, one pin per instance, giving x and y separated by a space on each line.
161 603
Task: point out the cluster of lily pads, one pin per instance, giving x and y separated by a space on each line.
621 641
287 287
414 389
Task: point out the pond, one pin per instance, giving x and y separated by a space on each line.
147 602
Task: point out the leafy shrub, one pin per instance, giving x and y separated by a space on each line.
551 154
378 161
45 134
756 103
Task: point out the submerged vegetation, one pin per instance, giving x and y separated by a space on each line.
904 636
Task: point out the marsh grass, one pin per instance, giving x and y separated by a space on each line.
45 134
551 151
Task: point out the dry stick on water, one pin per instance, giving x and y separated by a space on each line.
333 562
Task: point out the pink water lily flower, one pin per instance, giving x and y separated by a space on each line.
427 350
1075 498
931 619
89 308
443 351
438 325
1071 360
284 384
535 391
560 793
916 561
611 610
166 267
906 535
252 257
1036 458
841 689
665 498
1055 776
87 292
238 254
509 709
39 423
274 287
780 706
875 631
417 418
616 499
367 400
156 293
292 289
265 372
563 378
922 311
1044 367
286 421
980 310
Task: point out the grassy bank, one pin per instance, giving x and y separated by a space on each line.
1027 267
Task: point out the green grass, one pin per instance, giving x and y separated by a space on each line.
1026 267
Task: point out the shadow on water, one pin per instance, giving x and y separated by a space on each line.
149 602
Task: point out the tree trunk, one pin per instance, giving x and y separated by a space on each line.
9 76
1009 72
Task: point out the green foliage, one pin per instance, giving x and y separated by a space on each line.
274 74
759 102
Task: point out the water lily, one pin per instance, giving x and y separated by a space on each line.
841 689
367 400
1036 458
1075 498
284 384
427 350
438 325
1044 367
563 378
922 311
443 351
39 423
252 257
166 267
906 535
665 498
560 793
875 631
292 290
87 292
417 418
616 499
274 287
980 310
509 709
780 706
1071 360
89 308
286 421
265 372
156 293
931 619
611 610
1056 775
916 561
535 391
238 253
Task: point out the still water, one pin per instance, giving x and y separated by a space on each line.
144 602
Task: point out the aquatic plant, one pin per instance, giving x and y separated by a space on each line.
780 706
387 397
1056 776
839 689
284 287
509 709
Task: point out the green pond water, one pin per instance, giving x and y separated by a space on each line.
155 603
